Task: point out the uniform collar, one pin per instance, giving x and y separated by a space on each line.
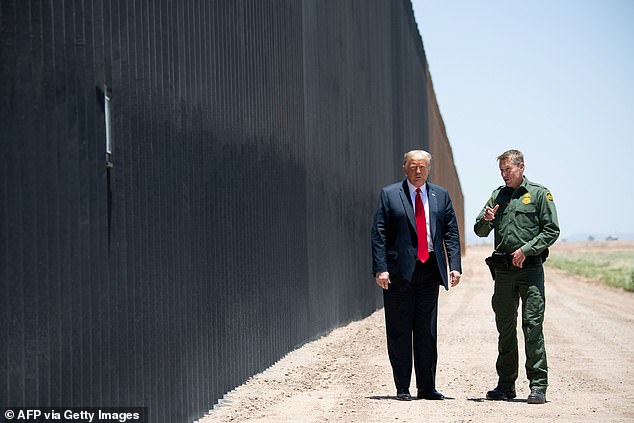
522 188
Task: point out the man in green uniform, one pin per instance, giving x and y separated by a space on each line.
523 217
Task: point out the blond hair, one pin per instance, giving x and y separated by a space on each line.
410 154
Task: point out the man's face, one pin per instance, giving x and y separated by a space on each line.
512 174
417 170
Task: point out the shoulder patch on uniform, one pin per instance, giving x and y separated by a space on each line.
549 196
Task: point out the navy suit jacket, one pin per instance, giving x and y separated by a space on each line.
394 237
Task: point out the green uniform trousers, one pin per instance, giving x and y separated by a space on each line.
511 285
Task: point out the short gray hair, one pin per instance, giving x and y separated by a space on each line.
515 156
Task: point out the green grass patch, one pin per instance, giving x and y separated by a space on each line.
615 268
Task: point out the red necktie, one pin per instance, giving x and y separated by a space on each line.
421 228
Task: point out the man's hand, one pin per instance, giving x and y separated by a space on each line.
489 213
454 275
518 258
383 279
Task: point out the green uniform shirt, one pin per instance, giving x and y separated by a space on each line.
526 219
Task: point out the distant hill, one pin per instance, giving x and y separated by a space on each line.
472 239
598 236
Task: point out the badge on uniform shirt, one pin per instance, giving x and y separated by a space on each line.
549 196
526 198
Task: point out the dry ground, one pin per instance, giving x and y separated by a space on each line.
345 376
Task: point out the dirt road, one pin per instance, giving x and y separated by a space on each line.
346 376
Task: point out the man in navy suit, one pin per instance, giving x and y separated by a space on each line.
414 225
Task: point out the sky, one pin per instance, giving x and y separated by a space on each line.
554 79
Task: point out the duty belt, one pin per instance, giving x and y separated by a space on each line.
505 260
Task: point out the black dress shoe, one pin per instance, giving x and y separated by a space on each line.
536 397
430 395
403 395
500 393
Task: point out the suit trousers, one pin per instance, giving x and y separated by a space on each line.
411 315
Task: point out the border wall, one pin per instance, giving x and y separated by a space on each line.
187 188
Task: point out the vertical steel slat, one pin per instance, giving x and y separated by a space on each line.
246 136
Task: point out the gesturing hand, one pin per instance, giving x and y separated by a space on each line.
489 213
